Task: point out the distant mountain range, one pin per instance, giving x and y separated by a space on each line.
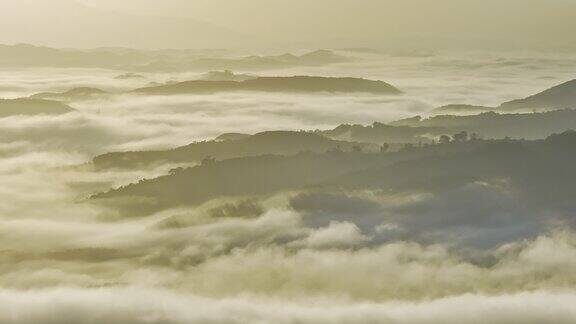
248 63
24 55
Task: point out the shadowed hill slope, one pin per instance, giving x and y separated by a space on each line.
277 142
559 97
266 174
562 96
242 177
540 171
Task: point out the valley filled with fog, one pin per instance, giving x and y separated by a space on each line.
263 187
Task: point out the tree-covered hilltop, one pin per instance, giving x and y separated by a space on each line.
538 171
274 142
161 60
499 125
490 125
275 84
267 173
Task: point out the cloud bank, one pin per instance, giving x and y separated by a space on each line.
472 254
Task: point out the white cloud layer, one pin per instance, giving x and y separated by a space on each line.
135 306
377 260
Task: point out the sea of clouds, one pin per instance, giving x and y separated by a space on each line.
355 257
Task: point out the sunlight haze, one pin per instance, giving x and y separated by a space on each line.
460 24
287 161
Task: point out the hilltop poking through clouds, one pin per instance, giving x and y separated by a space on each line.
24 106
275 161
224 147
295 84
562 96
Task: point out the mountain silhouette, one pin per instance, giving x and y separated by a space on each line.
562 96
247 63
276 142
275 84
559 97
24 55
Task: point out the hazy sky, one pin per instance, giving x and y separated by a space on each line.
407 23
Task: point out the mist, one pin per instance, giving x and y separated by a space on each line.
271 162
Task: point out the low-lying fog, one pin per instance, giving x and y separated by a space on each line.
64 260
